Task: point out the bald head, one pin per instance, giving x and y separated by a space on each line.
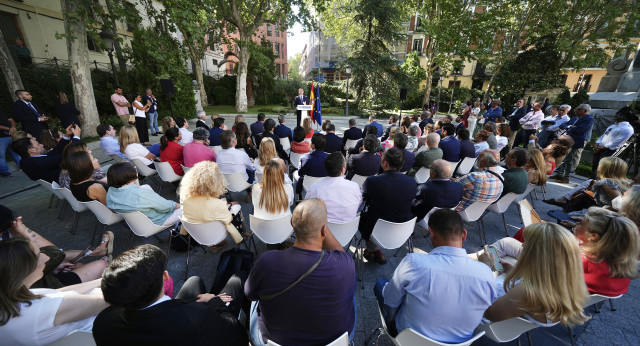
308 219
441 169
433 139
488 158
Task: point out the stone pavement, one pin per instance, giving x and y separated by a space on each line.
30 200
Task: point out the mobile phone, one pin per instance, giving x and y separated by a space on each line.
496 259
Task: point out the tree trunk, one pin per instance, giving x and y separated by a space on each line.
80 69
198 72
9 69
122 62
241 80
427 90
251 99
485 97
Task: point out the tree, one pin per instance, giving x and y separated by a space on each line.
9 69
261 71
79 62
411 67
294 67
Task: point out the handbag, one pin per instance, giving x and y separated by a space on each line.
132 119
581 199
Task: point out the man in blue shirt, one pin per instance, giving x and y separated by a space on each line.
282 131
216 130
108 142
449 144
431 290
377 125
494 113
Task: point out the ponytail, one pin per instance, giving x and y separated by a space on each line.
169 136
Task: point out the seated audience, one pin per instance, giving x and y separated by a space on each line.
427 157
481 142
64 179
441 295
125 195
485 184
224 127
32 316
215 131
313 163
466 146
84 186
267 153
537 168
323 128
299 145
365 163
108 142
529 123
334 143
551 153
352 133
386 196
614 137
198 150
171 151
269 125
131 147
282 131
273 196
341 197
449 144
140 312
389 142
231 160
318 309
400 141
258 127
36 163
202 120
502 139
413 134
371 130
237 120
167 123
437 192
183 126
491 140
374 123
393 122
202 199
244 141
515 177
306 125
563 141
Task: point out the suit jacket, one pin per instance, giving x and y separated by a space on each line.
276 140
202 124
467 149
172 322
313 164
440 193
353 133
387 196
581 128
514 119
334 143
424 123
364 164
409 159
29 118
45 167
283 131
214 136
377 125
493 114
386 133
300 100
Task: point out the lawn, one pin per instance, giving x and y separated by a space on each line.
269 110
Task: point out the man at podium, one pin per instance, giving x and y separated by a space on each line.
300 100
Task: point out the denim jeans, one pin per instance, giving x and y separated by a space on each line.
153 122
388 312
5 142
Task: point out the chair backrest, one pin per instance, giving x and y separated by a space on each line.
309 180
422 175
143 169
236 182
295 159
185 168
117 158
421 149
501 205
307 140
350 144
507 330
47 185
258 177
597 298
78 337
391 235
286 145
526 192
466 165
166 172
345 231
102 213
474 211
410 337
141 225
343 340
359 179
73 202
272 231
210 233
528 214
217 148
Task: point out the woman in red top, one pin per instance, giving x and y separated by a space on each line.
306 125
299 145
171 151
551 153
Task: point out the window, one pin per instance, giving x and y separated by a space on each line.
417 46
9 28
277 31
277 70
91 44
452 83
277 47
269 30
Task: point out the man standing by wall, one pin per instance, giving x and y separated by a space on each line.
121 105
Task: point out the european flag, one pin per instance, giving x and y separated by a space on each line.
318 108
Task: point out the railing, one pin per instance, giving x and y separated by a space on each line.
62 63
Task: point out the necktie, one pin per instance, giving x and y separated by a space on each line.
34 109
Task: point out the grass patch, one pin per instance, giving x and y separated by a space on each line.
226 109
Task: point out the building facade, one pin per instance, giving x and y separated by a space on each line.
277 38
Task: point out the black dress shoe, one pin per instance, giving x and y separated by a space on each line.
154 134
553 202
375 256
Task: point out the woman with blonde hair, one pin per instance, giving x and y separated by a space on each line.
201 199
546 285
132 149
388 143
239 119
306 125
272 197
537 168
67 112
267 153
630 204
167 123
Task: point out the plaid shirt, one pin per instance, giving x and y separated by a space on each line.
479 186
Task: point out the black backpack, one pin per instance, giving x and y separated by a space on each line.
234 261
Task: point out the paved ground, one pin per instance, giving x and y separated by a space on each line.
31 201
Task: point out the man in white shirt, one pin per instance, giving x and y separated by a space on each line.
230 160
559 116
613 138
341 196
529 125
183 126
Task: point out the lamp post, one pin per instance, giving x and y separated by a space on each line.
455 73
108 41
441 78
346 105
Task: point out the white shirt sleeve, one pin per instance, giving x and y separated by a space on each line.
137 151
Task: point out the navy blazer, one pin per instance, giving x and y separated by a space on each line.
281 153
580 129
493 114
334 143
514 120
283 131
313 164
45 167
202 124
450 149
300 100
467 149
353 133
214 136
424 123
29 118
377 125
364 164
409 160
440 193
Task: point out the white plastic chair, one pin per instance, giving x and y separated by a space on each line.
592 300
77 337
501 206
208 234
524 195
359 179
350 144
286 145
141 226
422 175
236 182
185 168
528 215
507 330
309 180
473 213
465 166
143 169
56 193
117 158
217 148
421 149
295 159
344 232
343 340
166 173
104 215
73 202
273 231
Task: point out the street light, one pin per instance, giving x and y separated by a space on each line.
456 72
346 105
441 78
108 41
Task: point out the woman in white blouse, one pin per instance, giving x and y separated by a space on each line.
272 197
268 153
503 132
132 149
40 316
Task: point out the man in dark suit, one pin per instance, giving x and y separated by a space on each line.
202 117
300 100
439 191
36 162
366 163
449 144
427 118
258 127
352 133
282 131
141 314
334 143
312 164
214 133
269 125
393 119
580 131
371 130
32 119
387 196
514 119
374 123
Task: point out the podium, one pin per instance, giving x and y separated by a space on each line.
304 107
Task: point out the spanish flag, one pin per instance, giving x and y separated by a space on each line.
312 100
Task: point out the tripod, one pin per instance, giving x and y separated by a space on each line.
629 152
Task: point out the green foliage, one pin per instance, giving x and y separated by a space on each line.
563 98
294 67
579 98
222 91
411 67
261 70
